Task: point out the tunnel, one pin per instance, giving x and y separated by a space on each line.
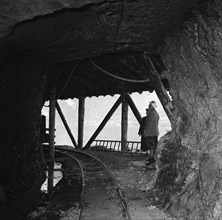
78 49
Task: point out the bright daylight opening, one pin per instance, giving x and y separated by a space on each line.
96 109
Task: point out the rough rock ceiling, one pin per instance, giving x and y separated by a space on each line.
85 32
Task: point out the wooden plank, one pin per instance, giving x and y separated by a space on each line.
51 138
103 123
115 145
137 146
118 145
158 86
124 123
133 107
66 125
132 146
81 121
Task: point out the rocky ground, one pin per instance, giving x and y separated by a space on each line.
132 176
134 179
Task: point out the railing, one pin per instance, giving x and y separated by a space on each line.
112 145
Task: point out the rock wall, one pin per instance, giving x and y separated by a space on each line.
65 30
13 12
189 180
21 161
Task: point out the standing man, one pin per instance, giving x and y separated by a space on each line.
149 132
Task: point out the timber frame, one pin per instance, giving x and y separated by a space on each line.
154 80
124 99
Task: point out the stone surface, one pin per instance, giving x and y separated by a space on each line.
21 164
14 12
189 168
192 56
49 30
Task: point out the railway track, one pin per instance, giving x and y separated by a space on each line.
100 197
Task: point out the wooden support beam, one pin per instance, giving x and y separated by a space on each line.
133 107
66 125
103 123
51 138
81 121
124 123
158 86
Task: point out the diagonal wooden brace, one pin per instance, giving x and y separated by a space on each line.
133 107
103 123
158 86
66 125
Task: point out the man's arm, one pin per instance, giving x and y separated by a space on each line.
142 124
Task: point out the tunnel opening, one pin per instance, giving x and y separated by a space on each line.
188 64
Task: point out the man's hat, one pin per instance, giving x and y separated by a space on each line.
152 102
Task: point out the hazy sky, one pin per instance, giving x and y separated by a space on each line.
96 109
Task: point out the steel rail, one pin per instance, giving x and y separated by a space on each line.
124 204
123 201
83 180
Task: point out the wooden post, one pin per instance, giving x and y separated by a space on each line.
103 123
81 121
159 87
124 123
51 138
133 107
66 125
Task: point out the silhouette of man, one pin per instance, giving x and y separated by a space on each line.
149 132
